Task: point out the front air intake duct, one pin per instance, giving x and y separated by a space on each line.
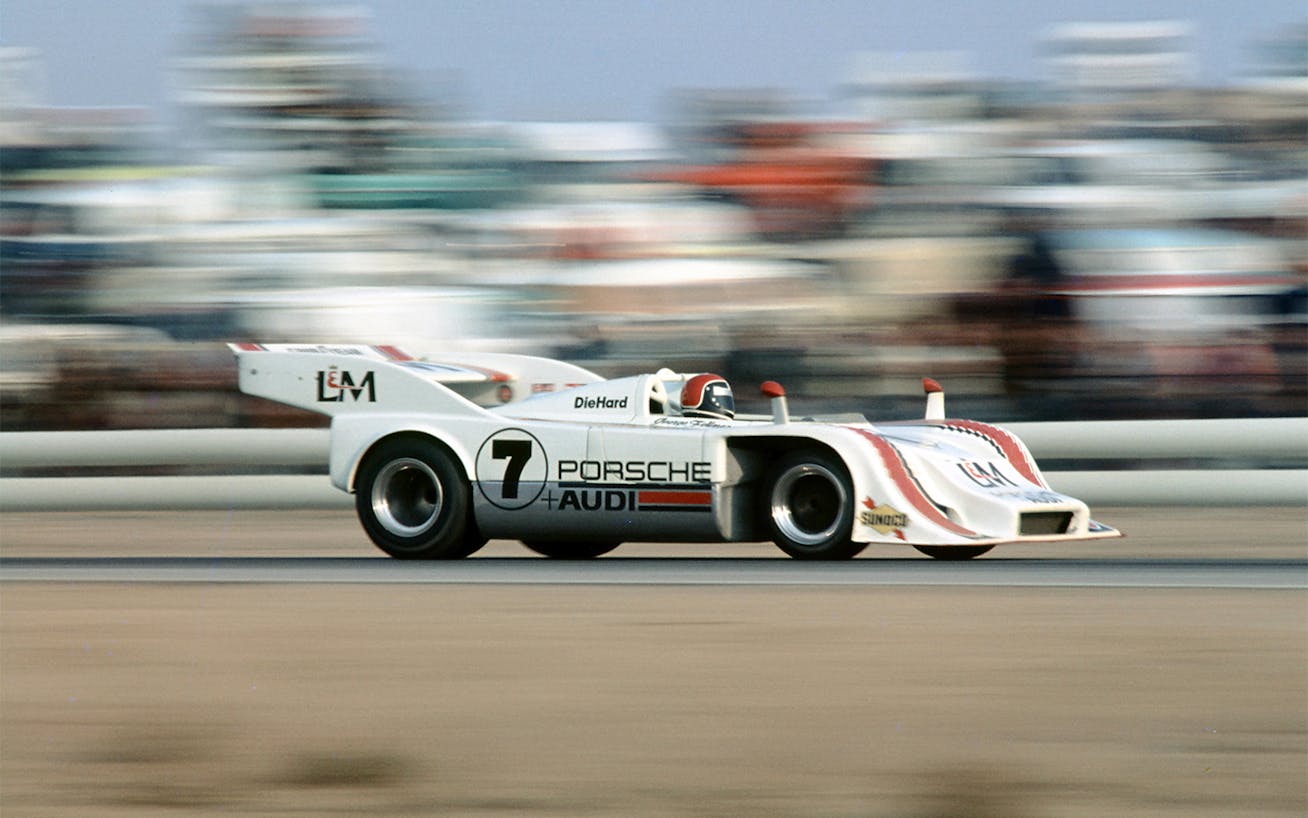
1037 523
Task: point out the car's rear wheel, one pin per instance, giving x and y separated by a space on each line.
570 550
809 507
953 552
412 498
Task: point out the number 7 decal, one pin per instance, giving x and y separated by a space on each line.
511 469
518 452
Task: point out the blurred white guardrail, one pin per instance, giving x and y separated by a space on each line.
1236 443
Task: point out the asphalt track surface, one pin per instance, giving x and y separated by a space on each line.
215 663
1111 573
1246 548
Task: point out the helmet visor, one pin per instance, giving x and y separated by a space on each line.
718 400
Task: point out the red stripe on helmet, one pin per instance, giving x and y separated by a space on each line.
693 393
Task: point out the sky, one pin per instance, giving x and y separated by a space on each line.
621 59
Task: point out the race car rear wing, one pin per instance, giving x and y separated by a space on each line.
335 379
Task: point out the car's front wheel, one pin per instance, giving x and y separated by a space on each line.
412 498
809 507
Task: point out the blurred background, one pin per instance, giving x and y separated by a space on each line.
1119 234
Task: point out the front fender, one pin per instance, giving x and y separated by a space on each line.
883 511
961 483
893 505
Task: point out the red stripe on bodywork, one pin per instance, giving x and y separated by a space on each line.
908 487
1005 442
679 498
250 347
492 375
394 353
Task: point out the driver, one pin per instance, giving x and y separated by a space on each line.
708 396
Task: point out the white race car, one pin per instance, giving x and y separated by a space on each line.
442 455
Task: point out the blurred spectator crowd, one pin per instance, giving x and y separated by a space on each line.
1110 242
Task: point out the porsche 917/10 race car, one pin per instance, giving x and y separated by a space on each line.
443 455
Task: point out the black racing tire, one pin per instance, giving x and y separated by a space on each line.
808 507
953 553
412 498
569 549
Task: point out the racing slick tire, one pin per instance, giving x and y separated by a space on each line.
953 552
570 550
412 498
809 507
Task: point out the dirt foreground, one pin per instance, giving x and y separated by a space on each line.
209 699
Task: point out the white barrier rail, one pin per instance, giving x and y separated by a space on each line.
1250 439
1238 442
165 447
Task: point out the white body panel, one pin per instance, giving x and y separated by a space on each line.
613 460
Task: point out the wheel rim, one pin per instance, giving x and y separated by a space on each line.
407 497
808 503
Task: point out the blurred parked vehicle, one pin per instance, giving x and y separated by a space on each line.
1151 322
